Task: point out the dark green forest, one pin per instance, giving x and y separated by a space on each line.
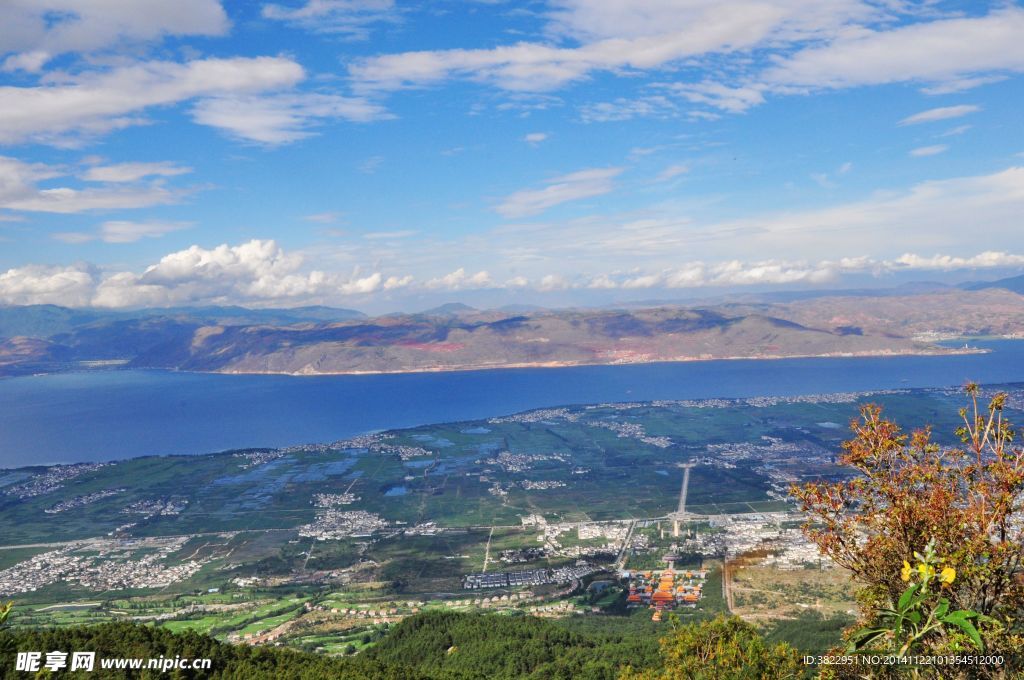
429 646
435 646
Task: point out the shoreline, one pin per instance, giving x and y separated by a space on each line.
877 354
310 444
116 365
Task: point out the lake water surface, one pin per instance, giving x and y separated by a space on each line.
106 415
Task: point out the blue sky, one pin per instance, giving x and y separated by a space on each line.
388 156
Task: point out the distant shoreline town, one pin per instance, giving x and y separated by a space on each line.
937 351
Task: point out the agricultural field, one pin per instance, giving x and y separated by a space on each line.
324 546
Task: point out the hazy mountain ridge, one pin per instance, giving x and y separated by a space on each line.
300 341
1013 283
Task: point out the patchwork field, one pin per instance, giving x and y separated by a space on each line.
322 547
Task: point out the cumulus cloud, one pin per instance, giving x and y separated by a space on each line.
558 190
517 282
460 280
780 272
260 272
535 138
41 284
253 271
552 282
256 272
35 31
940 113
986 260
397 282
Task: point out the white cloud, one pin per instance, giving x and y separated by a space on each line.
731 99
74 237
389 235
602 282
535 138
256 272
671 172
615 36
517 282
253 272
932 150
323 218
808 45
26 61
460 280
259 272
591 20
558 190
34 31
955 215
822 180
941 113
935 51
351 18
624 108
18 179
552 282
986 260
371 165
397 282
731 273
958 130
20 190
780 272
41 284
124 231
96 102
961 84
131 172
283 118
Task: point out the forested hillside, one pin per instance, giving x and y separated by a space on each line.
435 646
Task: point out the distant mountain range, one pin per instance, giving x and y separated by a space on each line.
323 340
1014 283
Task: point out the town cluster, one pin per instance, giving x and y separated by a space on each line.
82 501
334 524
51 480
531 577
104 564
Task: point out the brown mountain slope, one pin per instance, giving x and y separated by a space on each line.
849 325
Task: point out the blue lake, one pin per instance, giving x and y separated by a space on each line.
107 415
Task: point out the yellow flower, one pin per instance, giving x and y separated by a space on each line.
947 576
906 571
925 570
